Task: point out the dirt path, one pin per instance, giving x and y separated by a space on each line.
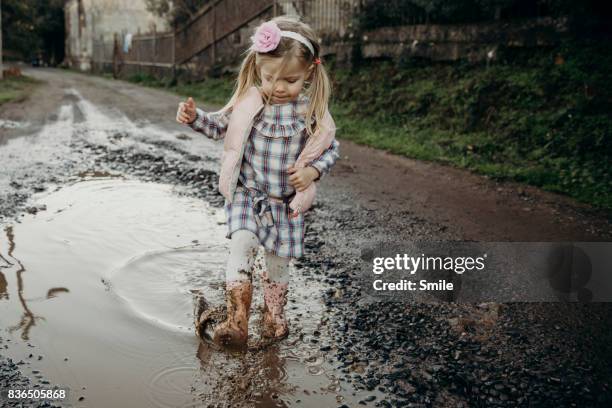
79 127
472 205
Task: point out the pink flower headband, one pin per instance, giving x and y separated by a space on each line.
268 35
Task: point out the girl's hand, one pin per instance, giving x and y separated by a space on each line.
300 179
186 112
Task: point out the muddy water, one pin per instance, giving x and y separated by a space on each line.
99 286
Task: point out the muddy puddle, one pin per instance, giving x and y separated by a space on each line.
95 296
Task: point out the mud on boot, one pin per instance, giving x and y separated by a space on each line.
275 325
234 331
206 318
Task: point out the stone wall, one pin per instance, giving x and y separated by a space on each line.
472 42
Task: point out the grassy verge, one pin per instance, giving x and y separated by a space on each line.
15 89
212 91
540 117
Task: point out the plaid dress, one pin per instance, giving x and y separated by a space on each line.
277 138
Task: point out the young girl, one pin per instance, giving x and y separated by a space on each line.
278 140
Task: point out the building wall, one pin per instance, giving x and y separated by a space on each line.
89 20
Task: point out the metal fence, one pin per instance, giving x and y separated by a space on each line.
157 50
149 49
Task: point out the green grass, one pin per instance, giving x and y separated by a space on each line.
523 118
15 89
212 91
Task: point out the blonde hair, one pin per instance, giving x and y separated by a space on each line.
319 90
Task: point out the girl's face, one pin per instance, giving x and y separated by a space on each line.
289 83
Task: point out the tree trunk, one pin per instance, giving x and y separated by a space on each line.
1 65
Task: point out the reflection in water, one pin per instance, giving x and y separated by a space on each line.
28 318
275 373
6 262
53 292
253 378
3 287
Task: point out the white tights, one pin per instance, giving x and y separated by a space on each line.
243 250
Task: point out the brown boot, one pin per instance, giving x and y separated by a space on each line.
274 322
234 331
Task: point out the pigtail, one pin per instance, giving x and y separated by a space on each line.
319 93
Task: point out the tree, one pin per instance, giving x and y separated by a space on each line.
32 27
176 12
1 65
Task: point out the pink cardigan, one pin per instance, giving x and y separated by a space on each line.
238 130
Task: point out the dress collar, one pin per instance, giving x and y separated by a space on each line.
285 113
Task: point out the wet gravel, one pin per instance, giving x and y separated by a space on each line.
423 354
12 378
158 167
